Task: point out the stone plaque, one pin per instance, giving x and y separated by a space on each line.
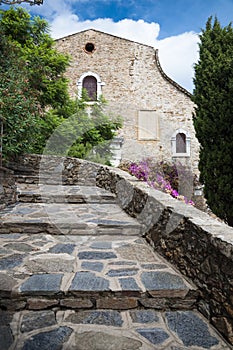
148 125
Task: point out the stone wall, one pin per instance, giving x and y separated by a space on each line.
7 187
198 245
132 80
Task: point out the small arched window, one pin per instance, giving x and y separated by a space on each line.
90 84
181 143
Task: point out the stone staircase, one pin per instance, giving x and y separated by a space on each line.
76 273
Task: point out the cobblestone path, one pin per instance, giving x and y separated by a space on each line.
75 274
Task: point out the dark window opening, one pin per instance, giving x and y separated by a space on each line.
180 143
89 47
90 84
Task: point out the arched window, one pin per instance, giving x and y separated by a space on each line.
180 143
90 84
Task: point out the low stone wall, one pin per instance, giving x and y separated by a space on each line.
198 245
7 187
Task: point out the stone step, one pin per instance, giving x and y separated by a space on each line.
67 218
32 193
87 272
107 329
34 179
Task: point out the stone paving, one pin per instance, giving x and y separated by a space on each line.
63 267
97 286
107 329
67 210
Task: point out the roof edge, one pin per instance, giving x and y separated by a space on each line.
100 31
165 76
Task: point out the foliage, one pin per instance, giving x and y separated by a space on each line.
19 108
162 176
213 96
45 65
84 134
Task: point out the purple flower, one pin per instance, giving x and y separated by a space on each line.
174 193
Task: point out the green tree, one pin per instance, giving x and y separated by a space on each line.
213 119
31 80
45 65
19 107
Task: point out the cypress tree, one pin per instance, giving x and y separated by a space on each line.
213 119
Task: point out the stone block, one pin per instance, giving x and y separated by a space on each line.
117 303
77 303
88 281
37 319
40 304
99 317
53 339
43 284
191 329
51 263
101 340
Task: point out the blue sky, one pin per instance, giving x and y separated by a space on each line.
172 26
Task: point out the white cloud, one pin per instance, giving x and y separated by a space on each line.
177 53
140 30
177 56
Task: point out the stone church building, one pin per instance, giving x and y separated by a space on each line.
156 111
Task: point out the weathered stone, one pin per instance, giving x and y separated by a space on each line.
6 283
62 248
5 318
122 272
164 284
126 263
136 252
39 304
104 341
51 263
117 303
106 318
11 236
191 329
101 245
12 305
6 337
37 319
50 340
23 247
144 316
96 255
93 266
11 261
154 335
88 281
77 303
42 284
129 284
224 326
153 266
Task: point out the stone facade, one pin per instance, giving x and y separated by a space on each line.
129 76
